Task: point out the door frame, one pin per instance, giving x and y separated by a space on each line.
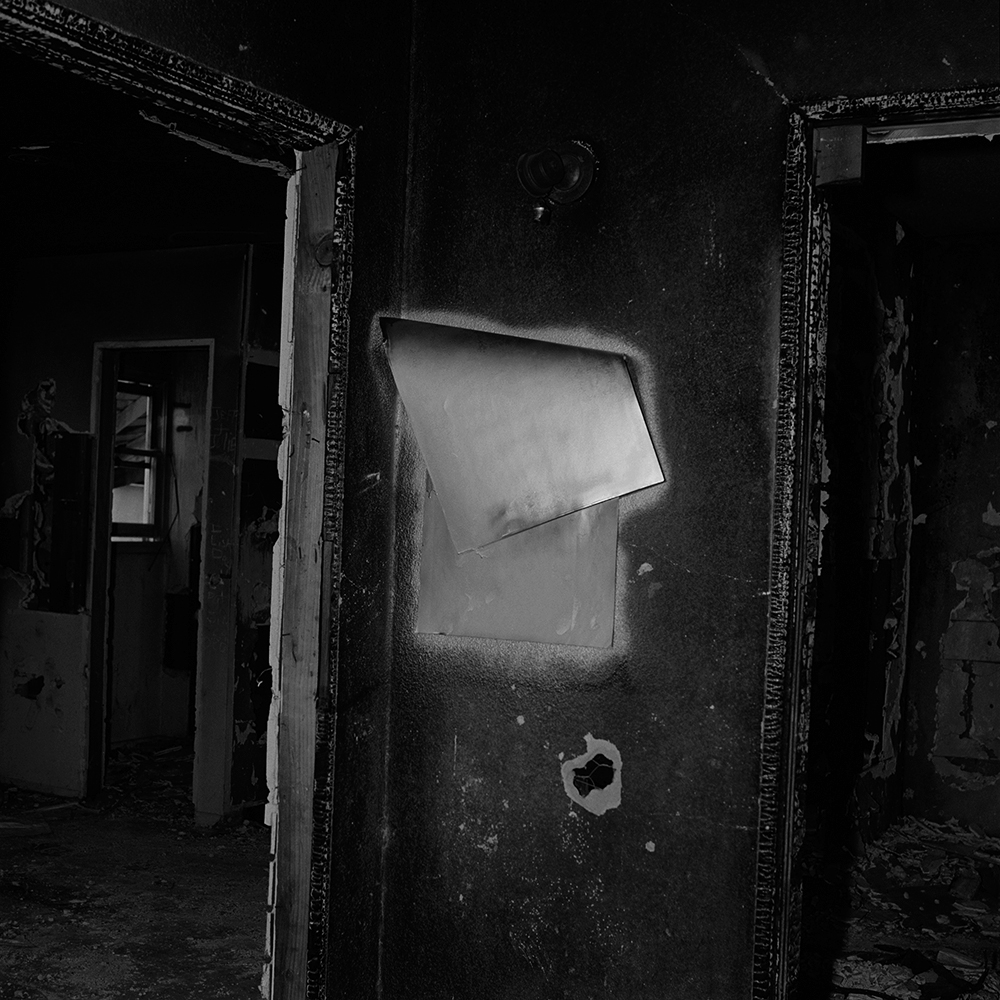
99 682
254 126
796 533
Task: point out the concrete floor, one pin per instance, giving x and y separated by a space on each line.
130 899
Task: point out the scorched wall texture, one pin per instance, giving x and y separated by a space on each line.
462 867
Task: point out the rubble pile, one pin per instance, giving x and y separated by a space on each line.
915 914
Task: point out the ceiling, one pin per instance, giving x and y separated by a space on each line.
938 186
84 171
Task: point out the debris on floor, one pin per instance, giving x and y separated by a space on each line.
914 915
127 897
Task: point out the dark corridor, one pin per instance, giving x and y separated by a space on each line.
902 845
125 241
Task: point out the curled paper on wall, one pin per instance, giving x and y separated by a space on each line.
552 583
514 431
528 445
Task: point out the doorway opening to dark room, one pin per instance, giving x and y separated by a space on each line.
171 203
900 864
140 430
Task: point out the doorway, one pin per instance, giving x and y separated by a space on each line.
128 340
226 120
188 248
902 762
229 120
154 406
878 747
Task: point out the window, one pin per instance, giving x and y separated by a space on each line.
138 461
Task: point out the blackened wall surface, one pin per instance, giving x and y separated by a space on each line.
673 261
492 887
854 784
955 677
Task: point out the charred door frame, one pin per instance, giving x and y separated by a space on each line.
795 528
239 120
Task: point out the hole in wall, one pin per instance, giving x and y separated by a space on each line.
597 773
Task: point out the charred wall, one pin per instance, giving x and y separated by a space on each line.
462 865
954 723
859 669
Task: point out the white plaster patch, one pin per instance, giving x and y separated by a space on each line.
644 569
991 515
920 519
650 846
590 769
520 720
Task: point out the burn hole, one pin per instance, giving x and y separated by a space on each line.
597 773
30 689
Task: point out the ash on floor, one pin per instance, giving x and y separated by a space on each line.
914 915
128 898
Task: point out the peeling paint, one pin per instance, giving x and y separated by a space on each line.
890 398
594 779
977 581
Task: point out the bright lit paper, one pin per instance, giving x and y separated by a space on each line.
516 432
553 583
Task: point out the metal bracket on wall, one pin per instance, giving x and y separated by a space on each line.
838 154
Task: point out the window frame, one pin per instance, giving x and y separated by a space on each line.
157 466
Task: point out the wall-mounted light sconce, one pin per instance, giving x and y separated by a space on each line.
557 175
